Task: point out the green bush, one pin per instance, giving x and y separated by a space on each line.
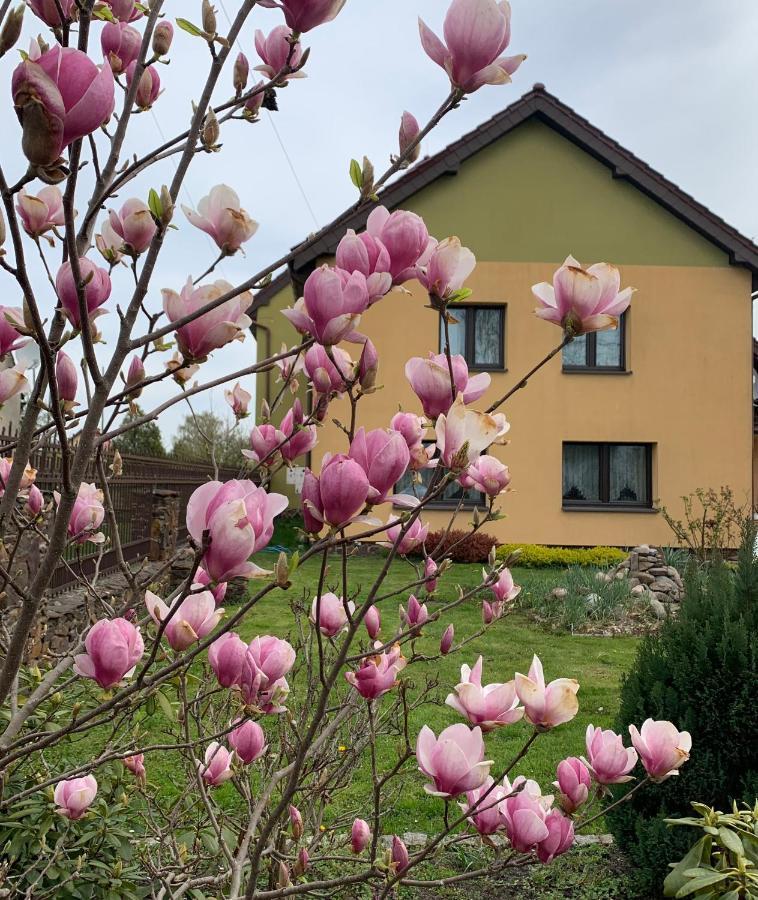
535 556
700 672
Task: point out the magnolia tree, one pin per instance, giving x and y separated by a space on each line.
287 719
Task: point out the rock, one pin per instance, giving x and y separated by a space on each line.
658 608
639 590
662 583
593 600
633 583
559 593
645 578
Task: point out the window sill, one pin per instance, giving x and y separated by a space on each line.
447 506
608 508
594 370
499 370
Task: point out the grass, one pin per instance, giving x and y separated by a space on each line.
596 662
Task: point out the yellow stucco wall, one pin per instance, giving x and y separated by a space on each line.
522 205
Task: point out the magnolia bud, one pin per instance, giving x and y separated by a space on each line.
367 366
209 18
211 131
447 640
282 571
117 466
2 230
409 131
162 38
265 411
301 866
367 177
241 73
11 29
135 375
296 822
167 206
284 876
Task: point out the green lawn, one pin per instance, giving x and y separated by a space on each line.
596 662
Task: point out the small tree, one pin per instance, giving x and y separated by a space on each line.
701 671
205 437
143 440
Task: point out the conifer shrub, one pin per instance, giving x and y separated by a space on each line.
700 672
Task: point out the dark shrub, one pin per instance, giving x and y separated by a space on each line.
700 672
461 546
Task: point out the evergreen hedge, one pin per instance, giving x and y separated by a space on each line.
701 673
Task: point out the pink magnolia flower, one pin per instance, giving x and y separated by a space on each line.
504 589
239 518
226 656
60 96
430 573
560 836
330 614
74 796
582 300
227 322
546 705
27 479
240 74
446 641
248 741
135 375
218 765
367 255
34 502
97 289
326 376
404 236
47 10
430 380
573 782
368 366
109 244
413 537
608 759
12 382
486 474
449 265
136 765
377 674
487 816
276 50
41 212
462 434
11 319
220 216
135 225
409 131
331 306
476 33
384 457
373 622
454 761
266 442
300 438
195 618
149 86
416 615
489 706
524 813
304 15
203 579
67 380
120 44
163 37
399 856
238 399
662 748
343 489
87 515
262 683
360 836
124 10
311 506
113 648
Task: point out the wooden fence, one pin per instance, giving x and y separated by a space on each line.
132 494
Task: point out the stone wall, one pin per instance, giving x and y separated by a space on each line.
649 574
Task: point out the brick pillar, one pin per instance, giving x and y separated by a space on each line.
164 524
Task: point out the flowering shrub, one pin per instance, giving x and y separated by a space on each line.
536 556
261 734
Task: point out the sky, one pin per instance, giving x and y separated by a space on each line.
675 82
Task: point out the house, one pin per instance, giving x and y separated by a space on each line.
626 420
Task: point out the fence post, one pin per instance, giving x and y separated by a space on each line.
164 524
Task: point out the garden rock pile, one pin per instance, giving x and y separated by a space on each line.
648 573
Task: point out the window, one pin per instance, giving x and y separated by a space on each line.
617 475
478 335
451 496
603 351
